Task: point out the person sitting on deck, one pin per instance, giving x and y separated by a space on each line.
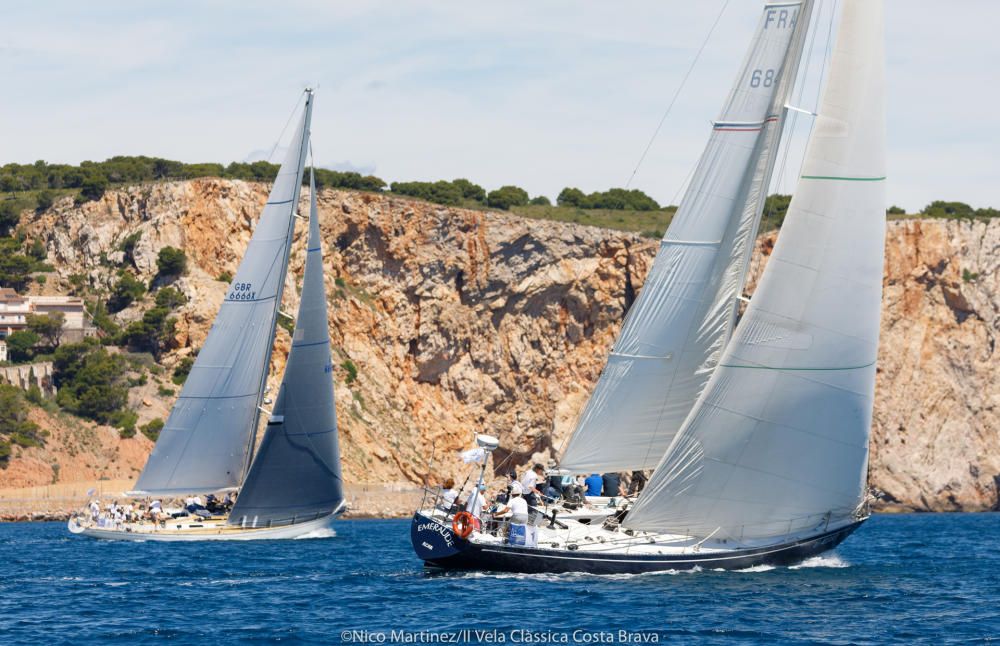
594 484
448 496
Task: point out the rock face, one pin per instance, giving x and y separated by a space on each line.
459 321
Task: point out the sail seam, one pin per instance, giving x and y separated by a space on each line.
306 345
844 179
804 369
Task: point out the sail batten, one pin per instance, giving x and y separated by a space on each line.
685 309
778 441
206 441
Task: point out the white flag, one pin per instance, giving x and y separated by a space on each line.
474 455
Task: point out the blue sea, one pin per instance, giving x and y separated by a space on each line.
904 579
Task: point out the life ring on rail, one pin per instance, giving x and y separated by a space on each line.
462 524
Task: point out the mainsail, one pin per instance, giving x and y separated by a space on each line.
207 439
296 474
778 442
674 334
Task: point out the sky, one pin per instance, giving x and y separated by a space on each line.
542 95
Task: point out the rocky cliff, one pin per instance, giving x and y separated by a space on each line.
460 321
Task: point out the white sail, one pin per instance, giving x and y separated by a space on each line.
206 441
296 473
674 334
778 442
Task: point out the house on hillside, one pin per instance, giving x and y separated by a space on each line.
15 309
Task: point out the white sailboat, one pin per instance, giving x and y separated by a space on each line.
757 430
292 486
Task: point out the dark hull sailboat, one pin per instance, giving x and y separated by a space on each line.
756 427
440 547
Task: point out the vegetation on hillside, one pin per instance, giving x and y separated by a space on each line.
15 428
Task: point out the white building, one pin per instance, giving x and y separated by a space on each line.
14 311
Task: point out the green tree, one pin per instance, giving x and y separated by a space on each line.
152 428
170 298
126 291
571 197
10 215
15 267
154 333
171 262
470 191
15 428
45 200
182 370
895 210
90 380
93 186
47 326
942 209
21 345
775 209
541 200
506 197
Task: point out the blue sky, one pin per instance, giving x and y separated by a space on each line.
539 94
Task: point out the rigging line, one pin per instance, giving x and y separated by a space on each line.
680 88
270 156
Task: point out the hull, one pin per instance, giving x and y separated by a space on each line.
218 532
439 547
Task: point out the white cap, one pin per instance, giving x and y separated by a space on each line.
516 489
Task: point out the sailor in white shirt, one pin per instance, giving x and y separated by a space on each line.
517 506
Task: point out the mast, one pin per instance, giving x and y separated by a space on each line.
674 333
303 147
778 442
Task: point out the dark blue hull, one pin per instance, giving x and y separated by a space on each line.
438 546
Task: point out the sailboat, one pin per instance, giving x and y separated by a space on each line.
292 486
756 426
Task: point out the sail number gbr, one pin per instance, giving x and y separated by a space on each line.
242 292
762 77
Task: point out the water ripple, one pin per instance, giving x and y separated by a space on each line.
899 579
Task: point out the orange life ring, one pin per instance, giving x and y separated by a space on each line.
462 524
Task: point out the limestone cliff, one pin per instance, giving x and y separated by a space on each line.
460 321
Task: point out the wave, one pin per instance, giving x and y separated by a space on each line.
823 560
324 532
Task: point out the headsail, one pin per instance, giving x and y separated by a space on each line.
778 442
296 474
673 336
206 441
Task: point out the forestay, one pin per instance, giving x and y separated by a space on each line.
672 337
206 441
296 474
778 442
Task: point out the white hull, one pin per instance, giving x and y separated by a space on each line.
202 531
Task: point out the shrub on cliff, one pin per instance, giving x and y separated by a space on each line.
440 192
91 381
125 292
506 197
21 345
170 262
154 333
15 428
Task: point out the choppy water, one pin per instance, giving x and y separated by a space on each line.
899 579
